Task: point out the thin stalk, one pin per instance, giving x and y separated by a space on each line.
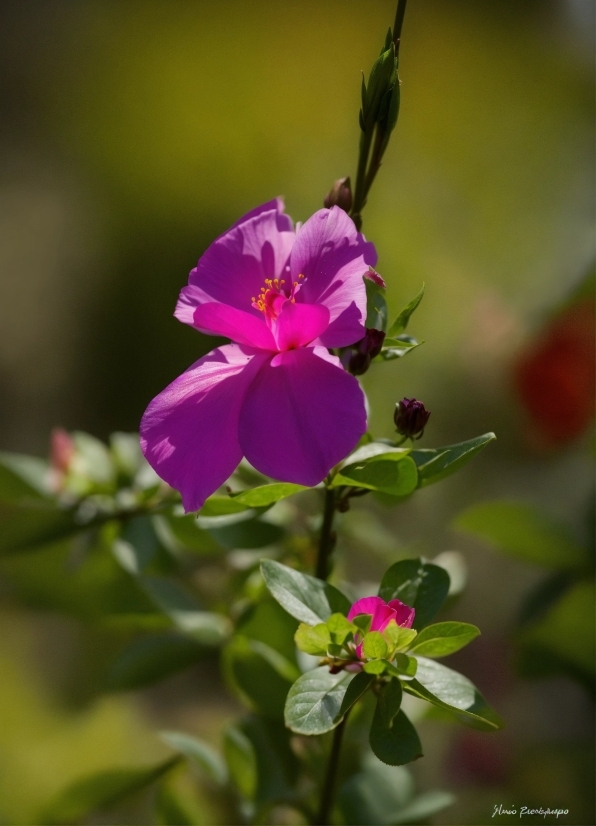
331 775
360 187
327 538
399 21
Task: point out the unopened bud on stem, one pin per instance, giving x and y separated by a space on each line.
411 417
340 195
366 350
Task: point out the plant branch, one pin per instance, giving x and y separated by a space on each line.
327 537
328 792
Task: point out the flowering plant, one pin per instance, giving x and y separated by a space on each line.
275 412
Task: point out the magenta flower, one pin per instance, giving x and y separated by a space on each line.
382 613
275 394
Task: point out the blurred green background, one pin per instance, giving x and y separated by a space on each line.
134 133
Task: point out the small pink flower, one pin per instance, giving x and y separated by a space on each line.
275 394
382 613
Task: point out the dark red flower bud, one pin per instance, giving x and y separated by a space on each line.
411 417
366 349
340 195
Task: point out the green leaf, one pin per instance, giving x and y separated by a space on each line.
260 675
102 791
391 472
313 639
435 465
567 629
174 807
126 453
248 534
396 348
401 322
374 646
182 533
381 794
304 597
444 638
398 637
523 532
92 460
416 583
23 478
453 692
266 495
393 738
406 665
376 306
205 627
340 628
265 767
357 688
362 622
150 659
222 506
241 760
315 700
198 752
375 666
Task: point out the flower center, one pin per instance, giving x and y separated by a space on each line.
274 295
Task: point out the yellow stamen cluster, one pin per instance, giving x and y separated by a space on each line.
270 284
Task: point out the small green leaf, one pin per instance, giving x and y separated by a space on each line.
363 621
102 791
416 583
401 322
375 666
23 478
444 638
393 472
435 465
315 699
222 506
313 639
393 738
266 495
525 533
304 597
398 638
182 533
374 646
198 752
340 628
357 688
376 306
396 348
406 665
450 690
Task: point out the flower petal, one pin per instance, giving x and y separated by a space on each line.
189 433
333 256
233 269
284 221
243 328
301 416
298 324
381 613
404 615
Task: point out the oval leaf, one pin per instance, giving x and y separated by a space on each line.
305 597
315 700
416 583
434 465
450 690
266 495
392 472
444 638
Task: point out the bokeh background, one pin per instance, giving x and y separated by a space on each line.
134 133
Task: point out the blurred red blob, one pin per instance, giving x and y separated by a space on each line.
554 376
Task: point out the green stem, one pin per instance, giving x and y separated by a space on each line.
360 188
328 792
399 21
327 538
